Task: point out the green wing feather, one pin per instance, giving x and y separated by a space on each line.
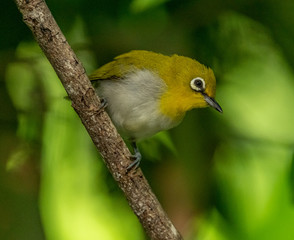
126 63
112 70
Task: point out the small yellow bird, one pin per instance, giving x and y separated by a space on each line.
147 92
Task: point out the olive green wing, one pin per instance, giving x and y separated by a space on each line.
127 63
112 70
115 70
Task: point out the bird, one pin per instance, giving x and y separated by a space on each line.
146 92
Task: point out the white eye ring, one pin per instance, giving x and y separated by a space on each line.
197 84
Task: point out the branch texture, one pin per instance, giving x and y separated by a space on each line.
72 74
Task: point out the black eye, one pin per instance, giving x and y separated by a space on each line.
197 84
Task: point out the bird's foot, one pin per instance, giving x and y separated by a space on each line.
103 105
136 161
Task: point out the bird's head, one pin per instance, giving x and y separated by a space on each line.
190 85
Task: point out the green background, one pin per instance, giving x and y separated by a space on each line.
219 176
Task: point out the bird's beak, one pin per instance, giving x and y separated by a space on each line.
211 102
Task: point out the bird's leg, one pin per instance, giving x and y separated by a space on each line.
103 105
136 156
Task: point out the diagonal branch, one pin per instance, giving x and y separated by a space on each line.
70 71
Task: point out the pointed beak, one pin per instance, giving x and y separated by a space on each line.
211 102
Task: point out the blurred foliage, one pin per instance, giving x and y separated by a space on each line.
219 177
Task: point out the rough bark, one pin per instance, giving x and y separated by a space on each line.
86 103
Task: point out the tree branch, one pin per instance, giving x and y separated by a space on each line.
116 155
